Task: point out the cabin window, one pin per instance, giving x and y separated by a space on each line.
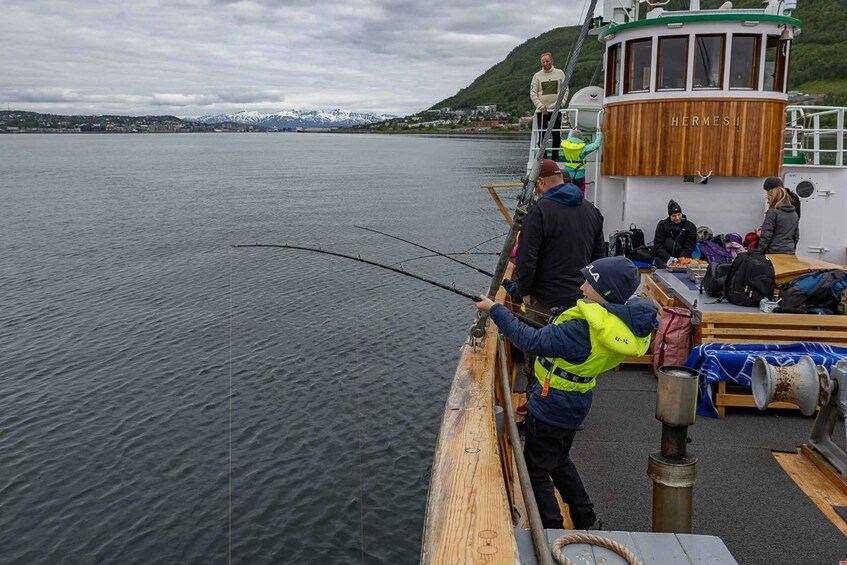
613 66
744 62
708 61
776 57
639 56
672 63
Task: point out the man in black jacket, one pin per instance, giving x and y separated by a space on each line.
675 237
562 233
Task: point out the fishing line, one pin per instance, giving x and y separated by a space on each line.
359 437
484 242
442 254
477 269
229 426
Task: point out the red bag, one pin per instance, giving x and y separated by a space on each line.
751 240
673 338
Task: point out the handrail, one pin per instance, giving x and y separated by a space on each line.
539 535
806 136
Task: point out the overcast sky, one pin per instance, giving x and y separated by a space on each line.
193 57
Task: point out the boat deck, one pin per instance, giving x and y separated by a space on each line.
743 495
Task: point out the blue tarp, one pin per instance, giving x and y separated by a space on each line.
734 363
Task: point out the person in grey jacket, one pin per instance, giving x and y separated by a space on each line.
781 226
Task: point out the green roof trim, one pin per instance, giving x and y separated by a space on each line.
664 20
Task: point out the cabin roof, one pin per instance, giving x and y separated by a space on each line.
701 17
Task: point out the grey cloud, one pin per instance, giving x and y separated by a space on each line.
370 55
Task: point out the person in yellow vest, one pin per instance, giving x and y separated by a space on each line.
576 150
592 337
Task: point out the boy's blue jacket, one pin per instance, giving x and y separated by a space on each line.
572 342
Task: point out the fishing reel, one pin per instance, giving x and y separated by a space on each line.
808 385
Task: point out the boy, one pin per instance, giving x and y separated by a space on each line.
582 342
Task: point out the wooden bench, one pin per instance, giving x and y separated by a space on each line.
764 328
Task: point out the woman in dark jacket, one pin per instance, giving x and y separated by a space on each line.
781 226
675 236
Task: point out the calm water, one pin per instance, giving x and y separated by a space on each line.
126 315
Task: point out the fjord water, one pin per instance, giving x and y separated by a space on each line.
129 326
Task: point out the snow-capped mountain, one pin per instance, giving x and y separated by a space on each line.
298 118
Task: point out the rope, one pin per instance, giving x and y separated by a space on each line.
591 539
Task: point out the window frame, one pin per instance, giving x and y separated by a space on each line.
684 86
628 64
755 71
613 64
721 59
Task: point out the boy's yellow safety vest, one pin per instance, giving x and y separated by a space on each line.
611 342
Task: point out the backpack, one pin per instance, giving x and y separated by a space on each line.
621 244
821 290
714 252
714 281
673 338
637 237
751 278
642 254
751 240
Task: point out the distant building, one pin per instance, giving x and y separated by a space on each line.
489 109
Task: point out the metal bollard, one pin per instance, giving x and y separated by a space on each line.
673 470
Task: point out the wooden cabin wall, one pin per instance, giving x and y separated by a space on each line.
680 137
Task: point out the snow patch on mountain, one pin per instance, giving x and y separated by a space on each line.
297 118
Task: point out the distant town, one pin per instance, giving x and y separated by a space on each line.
481 118
33 122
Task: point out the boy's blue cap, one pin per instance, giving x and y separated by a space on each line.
614 278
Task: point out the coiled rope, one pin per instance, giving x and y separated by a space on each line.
592 539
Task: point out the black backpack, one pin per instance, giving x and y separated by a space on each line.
637 237
817 292
714 281
621 244
751 278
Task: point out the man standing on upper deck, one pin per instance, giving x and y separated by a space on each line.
544 91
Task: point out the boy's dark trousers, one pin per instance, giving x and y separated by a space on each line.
546 451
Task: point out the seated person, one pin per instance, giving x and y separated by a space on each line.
675 237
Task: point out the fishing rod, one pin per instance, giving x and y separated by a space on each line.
477 269
525 196
453 289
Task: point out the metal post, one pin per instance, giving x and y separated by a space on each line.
673 470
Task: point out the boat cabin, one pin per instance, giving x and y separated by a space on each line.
695 108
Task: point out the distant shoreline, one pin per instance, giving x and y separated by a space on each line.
493 134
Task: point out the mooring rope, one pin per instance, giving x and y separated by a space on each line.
592 539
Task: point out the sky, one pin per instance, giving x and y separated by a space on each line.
196 57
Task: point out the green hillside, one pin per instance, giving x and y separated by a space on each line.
818 61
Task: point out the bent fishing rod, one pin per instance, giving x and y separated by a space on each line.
525 197
450 288
438 253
